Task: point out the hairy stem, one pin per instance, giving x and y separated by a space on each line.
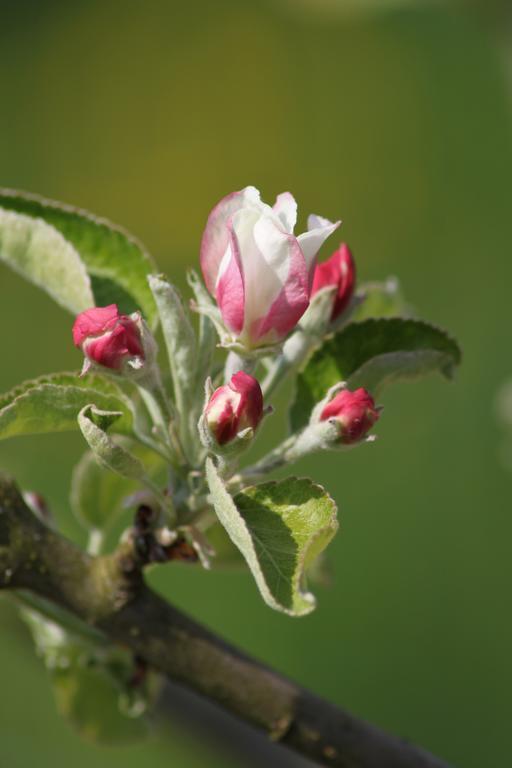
235 363
109 594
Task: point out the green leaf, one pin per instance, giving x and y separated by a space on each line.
39 253
381 300
97 495
110 454
93 423
52 403
280 528
117 263
179 337
372 354
91 684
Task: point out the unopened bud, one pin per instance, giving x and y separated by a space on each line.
234 409
108 339
338 271
354 413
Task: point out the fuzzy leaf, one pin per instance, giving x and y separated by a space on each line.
115 261
179 339
40 254
280 528
372 354
97 495
51 404
110 454
93 423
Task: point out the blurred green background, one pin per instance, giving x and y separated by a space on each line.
395 117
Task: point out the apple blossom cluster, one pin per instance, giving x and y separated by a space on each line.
262 278
170 425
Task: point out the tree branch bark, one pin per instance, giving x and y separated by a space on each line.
109 594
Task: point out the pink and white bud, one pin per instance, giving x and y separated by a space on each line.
234 408
340 271
355 414
258 271
111 340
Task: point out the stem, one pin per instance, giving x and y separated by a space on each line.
163 417
235 363
95 542
295 351
272 461
109 594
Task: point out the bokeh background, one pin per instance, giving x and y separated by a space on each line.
394 116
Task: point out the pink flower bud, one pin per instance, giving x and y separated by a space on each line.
256 268
338 270
234 407
355 413
108 338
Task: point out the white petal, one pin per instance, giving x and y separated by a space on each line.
311 241
265 261
315 222
286 209
216 236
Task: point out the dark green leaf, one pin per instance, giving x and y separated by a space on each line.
117 263
52 403
372 354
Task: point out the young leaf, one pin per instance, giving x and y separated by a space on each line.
39 253
93 423
97 495
51 404
115 261
179 339
373 354
111 454
280 528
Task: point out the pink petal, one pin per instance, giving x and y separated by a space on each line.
291 302
216 236
94 321
339 270
221 416
109 350
230 286
250 407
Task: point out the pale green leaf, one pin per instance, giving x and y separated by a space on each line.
179 337
372 354
116 262
40 254
52 403
280 528
91 684
110 454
